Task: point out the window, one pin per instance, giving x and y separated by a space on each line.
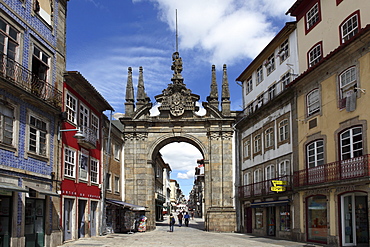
313 102
317 218
250 109
6 123
247 178
8 47
257 176
69 162
94 170
249 87
44 9
270 172
272 92
71 108
247 149
270 63
259 101
284 168
257 143
284 51
116 184
117 151
349 27
315 55
351 143
37 136
259 218
315 153
40 65
347 84
108 182
313 17
285 80
95 125
259 75
284 212
84 118
283 130
269 138
84 161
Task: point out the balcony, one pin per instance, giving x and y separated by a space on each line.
262 188
332 172
22 78
90 138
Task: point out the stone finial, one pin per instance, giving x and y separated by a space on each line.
213 97
129 105
225 98
142 97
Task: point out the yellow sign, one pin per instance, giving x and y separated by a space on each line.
278 182
278 188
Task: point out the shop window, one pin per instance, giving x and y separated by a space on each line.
285 220
317 228
258 216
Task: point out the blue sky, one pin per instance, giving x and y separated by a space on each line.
105 37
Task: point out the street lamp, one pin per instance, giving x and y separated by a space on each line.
79 134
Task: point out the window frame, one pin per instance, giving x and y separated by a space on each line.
284 128
270 172
3 124
83 165
117 184
311 59
283 51
247 148
39 134
257 143
259 75
354 31
269 138
312 111
71 108
116 151
286 165
94 170
309 26
43 53
352 143
71 165
271 91
270 64
95 125
285 80
249 85
316 153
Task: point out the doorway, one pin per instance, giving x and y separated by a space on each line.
271 219
68 207
81 218
354 219
248 219
93 210
5 220
34 222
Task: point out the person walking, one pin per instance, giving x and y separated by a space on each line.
172 222
186 217
192 214
179 217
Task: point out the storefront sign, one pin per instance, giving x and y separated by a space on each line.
277 186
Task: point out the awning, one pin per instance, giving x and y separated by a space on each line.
269 204
126 205
11 187
44 192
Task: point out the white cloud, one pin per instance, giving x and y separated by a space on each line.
181 156
187 175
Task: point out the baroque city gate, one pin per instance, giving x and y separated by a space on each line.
177 121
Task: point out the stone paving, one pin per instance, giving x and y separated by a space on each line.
191 236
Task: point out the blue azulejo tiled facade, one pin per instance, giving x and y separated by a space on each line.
32 62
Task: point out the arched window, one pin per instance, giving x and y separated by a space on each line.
313 102
351 143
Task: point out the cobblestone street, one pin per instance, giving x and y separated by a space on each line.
183 236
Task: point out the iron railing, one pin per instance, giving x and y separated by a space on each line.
23 78
262 188
339 170
90 135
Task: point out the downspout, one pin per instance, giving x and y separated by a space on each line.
104 191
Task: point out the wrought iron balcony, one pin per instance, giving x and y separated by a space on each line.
339 170
90 138
262 188
23 78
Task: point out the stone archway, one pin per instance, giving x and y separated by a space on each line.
178 121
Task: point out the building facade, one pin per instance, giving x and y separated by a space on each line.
32 62
331 166
265 139
81 137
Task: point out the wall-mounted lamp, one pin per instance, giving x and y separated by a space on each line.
79 134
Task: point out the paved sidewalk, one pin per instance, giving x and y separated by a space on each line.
192 236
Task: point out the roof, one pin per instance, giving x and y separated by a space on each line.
76 81
294 8
275 42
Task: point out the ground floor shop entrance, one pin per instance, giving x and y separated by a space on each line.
68 207
354 219
34 229
5 220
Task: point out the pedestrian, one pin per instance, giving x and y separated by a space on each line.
186 217
179 217
172 222
192 215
